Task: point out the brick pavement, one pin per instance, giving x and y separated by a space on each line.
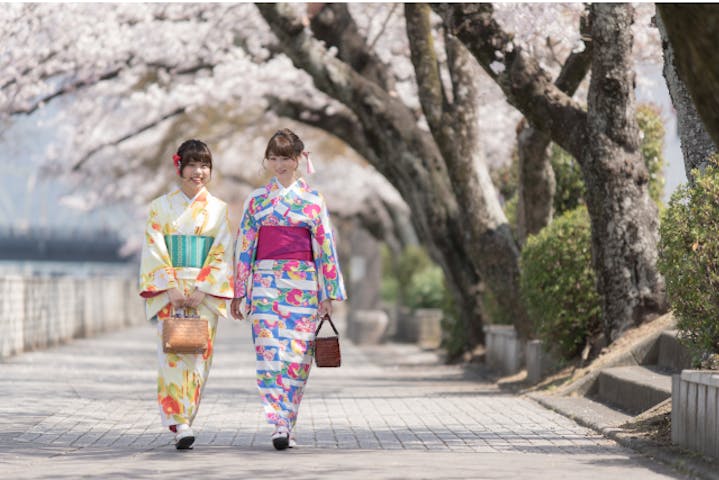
88 409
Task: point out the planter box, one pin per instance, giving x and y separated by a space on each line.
695 411
406 330
429 322
504 350
539 362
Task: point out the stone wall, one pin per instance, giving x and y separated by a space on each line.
37 312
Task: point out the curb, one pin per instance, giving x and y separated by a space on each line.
684 461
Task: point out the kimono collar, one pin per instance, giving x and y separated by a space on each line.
276 185
202 195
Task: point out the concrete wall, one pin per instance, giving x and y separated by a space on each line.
37 312
504 350
695 411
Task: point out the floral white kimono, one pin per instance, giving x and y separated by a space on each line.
201 221
284 294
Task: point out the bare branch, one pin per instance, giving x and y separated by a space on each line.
383 27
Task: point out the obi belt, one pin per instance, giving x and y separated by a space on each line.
188 250
284 243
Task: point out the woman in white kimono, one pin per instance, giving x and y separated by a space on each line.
186 263
288 273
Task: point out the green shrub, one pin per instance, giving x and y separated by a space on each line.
427 288
454 336
558 283
689 261
650 123
569 192
412 260
389 285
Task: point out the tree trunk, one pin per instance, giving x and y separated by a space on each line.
454 125
693 31
623 216
537 184
697 145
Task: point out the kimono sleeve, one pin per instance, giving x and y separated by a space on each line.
329 276
156 272
215 277
245 247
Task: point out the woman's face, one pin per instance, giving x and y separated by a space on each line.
196 175
282 166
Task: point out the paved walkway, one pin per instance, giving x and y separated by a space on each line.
87 410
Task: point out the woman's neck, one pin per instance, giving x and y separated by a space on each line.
190 190
286 180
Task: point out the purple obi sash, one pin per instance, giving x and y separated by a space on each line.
284 243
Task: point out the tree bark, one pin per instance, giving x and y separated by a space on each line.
333 24
623 216
697 146
693 31
604 141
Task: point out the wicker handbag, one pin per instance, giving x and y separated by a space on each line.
185 334
327 349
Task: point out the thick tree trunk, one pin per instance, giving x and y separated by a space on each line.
454 125
697 145
693 31
623 216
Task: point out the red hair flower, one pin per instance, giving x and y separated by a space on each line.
176 160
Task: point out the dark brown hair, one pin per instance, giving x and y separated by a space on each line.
194 151
284 143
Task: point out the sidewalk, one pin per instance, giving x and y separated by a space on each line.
87 410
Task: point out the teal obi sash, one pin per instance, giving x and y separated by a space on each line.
188 250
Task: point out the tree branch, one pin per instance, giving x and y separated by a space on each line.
384 118
527 86
76 85
424 58
334 25
340 124
141 129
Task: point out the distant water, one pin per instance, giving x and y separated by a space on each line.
74 269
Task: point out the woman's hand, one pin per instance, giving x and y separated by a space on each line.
195 299
177 299
325 308
235 309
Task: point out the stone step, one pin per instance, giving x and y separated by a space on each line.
672 355
584 411
634 389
